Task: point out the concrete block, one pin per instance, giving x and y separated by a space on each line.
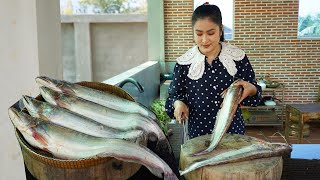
164 89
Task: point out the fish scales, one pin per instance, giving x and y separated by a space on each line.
106 99
75 121
254 151
69 144
224 116
102 114
101 97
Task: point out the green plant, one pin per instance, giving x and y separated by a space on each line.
158 108
246 115
319 94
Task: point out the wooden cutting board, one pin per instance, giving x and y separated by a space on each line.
258 169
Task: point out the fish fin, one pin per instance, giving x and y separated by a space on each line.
62 104
40 138
200 153
66 87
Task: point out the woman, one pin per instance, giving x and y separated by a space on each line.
204 72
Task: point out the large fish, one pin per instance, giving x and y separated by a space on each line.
74 121
254 151
101 97
104 115
224 116
69 144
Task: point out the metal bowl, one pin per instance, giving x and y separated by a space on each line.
273 84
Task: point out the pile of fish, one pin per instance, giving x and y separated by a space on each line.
224 118
76 122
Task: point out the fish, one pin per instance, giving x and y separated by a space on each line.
75 121
100 97
66 143
104 115
224 116
254 151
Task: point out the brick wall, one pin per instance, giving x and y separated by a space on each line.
267 31
177 27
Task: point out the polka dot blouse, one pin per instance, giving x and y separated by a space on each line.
203 98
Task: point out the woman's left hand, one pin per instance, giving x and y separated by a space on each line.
248 89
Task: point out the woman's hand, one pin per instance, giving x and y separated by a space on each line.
248 89
181 111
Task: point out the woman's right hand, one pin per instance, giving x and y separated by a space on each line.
181 111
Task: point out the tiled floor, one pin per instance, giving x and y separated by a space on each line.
276 134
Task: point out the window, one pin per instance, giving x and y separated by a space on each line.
69 7
309 19
227 11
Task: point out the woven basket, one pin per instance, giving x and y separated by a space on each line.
35 158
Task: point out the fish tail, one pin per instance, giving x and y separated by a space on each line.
144 137
163 149
138 140
185 171
141 138
152 137
182 172
163 145
136 135
68 88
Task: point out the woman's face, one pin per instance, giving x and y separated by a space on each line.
207 36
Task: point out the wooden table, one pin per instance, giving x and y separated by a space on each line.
303 113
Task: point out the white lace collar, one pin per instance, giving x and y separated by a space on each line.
227 56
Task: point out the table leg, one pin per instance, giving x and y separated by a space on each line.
286 130
300 129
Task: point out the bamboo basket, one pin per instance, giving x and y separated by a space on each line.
43 165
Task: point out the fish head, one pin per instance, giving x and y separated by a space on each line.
21 120
32 105
285 148
56 85
49 95
49 82
27 125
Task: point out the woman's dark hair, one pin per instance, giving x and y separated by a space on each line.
212 12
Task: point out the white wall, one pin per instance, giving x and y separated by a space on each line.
98 47
24 54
